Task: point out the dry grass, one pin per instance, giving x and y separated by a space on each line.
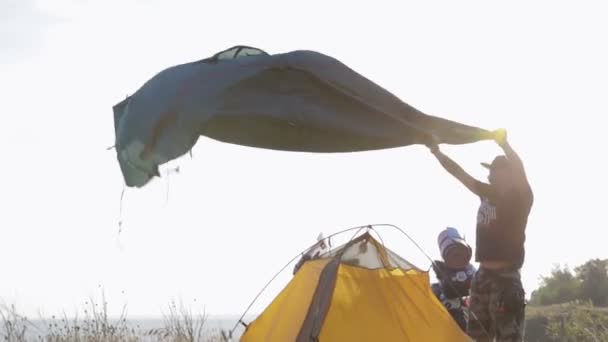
14 326
579 322
180 324
570 322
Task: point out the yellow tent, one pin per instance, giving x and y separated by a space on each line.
361 291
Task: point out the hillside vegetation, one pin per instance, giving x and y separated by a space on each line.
570 305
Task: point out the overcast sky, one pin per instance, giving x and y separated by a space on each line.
234 215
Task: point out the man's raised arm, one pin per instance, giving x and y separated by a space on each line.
475 186
515 161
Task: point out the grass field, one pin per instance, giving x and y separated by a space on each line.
573 322
93 325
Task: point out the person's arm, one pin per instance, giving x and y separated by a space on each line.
514 160
479 188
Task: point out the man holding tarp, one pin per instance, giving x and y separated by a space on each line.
497 299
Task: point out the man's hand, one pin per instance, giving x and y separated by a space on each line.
433 145
500 136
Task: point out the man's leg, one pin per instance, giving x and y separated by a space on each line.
479 326
509 309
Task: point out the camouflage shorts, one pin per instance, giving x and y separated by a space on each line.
497 306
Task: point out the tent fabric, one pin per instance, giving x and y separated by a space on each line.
369 254
301 101
282 319
387 305
355 303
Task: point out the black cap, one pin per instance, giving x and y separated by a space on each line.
498 163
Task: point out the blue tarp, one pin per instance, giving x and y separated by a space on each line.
297 101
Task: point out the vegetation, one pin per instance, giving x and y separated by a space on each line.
570 305
575 321
588 282
14 325
179 325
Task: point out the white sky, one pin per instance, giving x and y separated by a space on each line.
235 215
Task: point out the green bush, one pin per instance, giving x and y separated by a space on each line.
589 282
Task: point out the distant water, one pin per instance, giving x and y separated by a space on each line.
145 325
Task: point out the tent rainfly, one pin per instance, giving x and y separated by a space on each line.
361 291
301 101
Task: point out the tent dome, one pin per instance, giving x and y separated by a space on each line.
361 291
